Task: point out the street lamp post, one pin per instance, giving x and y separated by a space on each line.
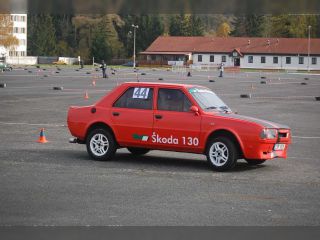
309 30
134 44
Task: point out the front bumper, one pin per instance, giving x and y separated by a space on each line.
264 149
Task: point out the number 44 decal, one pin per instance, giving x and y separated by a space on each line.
141 93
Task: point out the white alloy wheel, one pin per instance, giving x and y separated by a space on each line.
218 154
99 144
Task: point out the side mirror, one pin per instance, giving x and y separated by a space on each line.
195 110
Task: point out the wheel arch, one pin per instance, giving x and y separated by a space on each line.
97 125
229 134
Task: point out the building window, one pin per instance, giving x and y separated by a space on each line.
23 18
23 54
199 58
275 60
250 59
15 30
22 30
263 59
22 42
301 60
288 60
223 59
211 58
314 61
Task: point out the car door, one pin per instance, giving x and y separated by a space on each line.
132 116
175 126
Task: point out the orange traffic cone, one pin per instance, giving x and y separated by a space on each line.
86 96
42 138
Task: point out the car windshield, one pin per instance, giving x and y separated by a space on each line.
208 100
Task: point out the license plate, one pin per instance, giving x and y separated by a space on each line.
278 147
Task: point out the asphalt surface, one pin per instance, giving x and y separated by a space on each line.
58 184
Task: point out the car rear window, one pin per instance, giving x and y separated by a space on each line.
136 98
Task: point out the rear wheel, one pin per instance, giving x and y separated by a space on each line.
253 162
222 154
138 151
101 144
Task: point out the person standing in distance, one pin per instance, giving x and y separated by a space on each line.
221 70
104 68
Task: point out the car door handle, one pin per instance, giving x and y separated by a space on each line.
116 114
158 116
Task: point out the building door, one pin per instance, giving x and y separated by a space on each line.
236 62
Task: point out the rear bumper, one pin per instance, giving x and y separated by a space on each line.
76 140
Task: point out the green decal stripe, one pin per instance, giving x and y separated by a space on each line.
137 137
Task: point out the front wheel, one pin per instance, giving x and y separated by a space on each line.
222 154
101 144
253 162
138 151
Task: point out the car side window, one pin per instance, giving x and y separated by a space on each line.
136 97
173 100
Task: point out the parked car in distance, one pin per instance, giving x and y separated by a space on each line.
175 117
5 67
130 64
59 63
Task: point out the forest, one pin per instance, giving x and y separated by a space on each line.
110 36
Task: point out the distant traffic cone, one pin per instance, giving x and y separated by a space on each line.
42 138
86 96
252 87
93 83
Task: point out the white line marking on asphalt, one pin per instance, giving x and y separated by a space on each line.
287 97
34 124
302 137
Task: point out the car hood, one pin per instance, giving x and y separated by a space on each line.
264 123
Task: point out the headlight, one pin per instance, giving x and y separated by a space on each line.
268 134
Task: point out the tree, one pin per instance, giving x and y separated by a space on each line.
7 40
150 27
254 25
239 26
110 21
250 25
185 25
42 33
100 48
196 25
290 26
223 30
66 44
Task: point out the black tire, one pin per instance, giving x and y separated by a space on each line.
222 153
95 138
253 162
138 151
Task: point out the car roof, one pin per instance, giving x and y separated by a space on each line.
161 84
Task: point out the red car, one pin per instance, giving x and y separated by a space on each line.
175 117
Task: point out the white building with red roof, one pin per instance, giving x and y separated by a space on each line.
242 52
